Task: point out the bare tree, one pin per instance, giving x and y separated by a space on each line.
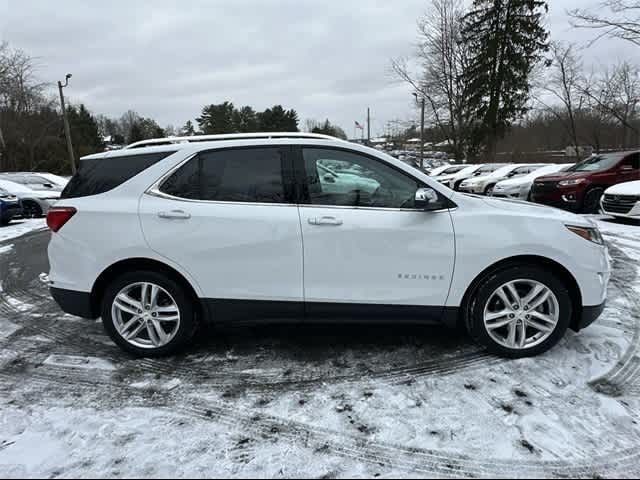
564 87
617 92
438 77
613 18
27 115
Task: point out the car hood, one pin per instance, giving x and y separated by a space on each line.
557 177
627 188
535 210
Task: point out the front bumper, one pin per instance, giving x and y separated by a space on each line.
515 194
565 198
627 206
476 189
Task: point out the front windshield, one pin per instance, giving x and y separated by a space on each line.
504 171
455 169
597 162
489 168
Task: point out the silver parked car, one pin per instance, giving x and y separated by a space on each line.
35 203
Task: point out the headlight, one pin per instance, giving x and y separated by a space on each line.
588 233
568 183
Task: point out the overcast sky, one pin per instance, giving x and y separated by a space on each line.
326 59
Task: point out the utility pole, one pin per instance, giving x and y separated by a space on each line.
3 147
65 119
368 127
422 105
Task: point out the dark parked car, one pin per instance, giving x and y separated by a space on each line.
9 207
580 187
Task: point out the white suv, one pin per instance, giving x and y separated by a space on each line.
305 228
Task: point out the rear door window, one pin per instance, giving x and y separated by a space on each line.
97 176
246 175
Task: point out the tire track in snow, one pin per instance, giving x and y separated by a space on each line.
413 460
625 375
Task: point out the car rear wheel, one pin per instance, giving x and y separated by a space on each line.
148 314
520 311
489 190
591 202
31 209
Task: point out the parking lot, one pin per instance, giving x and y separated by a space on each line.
313 401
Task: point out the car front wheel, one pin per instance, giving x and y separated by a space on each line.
591 202
148 314
521 311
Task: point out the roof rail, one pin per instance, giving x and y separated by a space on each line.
231 136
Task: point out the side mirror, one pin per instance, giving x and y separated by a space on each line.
427 199
329 178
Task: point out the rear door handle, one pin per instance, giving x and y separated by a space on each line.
330 221
175 215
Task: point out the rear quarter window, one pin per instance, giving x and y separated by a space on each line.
96 176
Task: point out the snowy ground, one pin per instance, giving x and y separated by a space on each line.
314 402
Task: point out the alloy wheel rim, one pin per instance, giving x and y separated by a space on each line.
145 315
521 314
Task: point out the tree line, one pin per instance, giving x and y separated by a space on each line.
32 133
493 80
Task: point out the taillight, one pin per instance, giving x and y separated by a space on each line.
58 216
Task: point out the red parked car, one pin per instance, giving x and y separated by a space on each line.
580 187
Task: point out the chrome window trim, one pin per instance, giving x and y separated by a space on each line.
154 191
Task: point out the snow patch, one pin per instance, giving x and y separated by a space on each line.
21 227
85 363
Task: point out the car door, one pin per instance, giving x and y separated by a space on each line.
364 242
629 169
228 218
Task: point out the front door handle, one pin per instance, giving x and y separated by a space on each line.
175 215
331 221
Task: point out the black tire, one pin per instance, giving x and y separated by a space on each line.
475 307
456 187
183 298
31 209
591 201
4 221
489 190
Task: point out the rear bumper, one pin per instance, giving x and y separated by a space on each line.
74 303
589 315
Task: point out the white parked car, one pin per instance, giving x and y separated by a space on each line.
622 200
56 180
34 181
484 184
158 241
519 188
446 170
455 181
35 203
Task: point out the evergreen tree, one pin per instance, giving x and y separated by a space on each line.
216 119
245 120
85 132
506 40
277 119
136 133
327 128
188 130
